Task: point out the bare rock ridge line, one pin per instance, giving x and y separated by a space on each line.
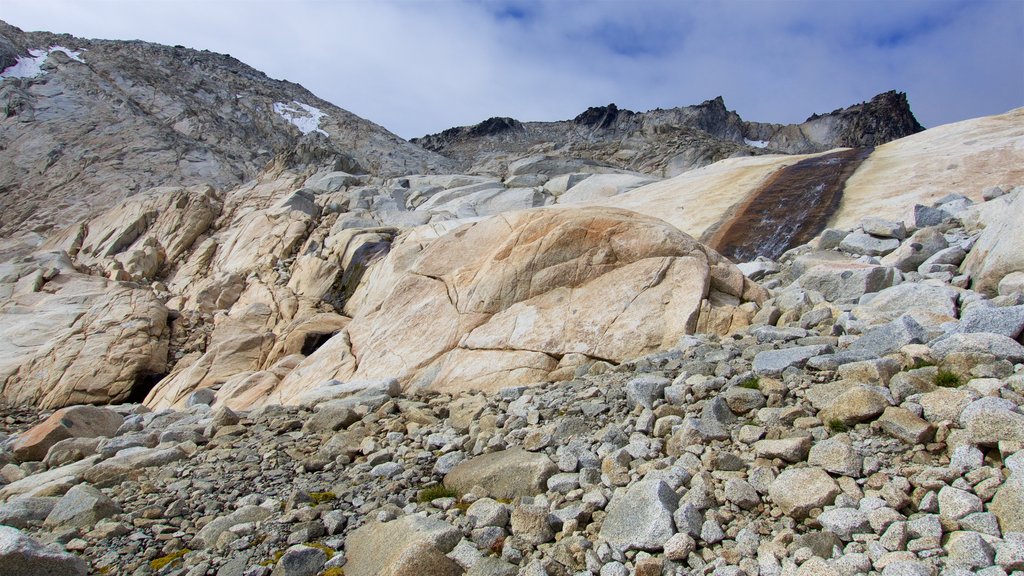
195 117
668 142
790 209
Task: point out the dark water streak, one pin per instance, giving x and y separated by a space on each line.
790 209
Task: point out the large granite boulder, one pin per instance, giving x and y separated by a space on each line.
497 302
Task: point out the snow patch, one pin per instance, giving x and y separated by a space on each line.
303 116
756 143
32 66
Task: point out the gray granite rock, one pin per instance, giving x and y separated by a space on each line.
505 474
21 555
82 506
845 522
799 490
773 362
890 337
300 561
860 243
640 517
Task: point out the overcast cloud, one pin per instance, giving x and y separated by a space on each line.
419 67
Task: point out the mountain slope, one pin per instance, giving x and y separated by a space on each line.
99 120
669 142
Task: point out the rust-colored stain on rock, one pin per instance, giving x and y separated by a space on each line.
790 209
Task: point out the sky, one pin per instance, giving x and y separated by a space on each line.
421 66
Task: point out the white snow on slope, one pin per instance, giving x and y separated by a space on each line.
756 143
305 117
32 66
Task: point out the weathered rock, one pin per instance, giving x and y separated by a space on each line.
70 422
1008 504
860 243
409 546
998 251
856 404
19 512
836 455
640 517
23 556
564 273
509 474
905 425
922 245
773 362
844 522
797 491
978 343
83 506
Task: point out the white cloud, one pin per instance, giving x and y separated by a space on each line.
422 66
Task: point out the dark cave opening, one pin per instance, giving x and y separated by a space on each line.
143 385
314 341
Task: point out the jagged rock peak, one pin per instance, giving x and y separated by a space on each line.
601 116
666 142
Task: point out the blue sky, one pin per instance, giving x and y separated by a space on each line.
420 66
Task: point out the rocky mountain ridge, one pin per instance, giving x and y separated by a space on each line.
665 143
83 132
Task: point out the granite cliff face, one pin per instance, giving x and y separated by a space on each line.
666 143
86 123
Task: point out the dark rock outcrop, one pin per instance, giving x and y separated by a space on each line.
668 142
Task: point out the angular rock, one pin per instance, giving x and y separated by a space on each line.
836 455
856 404
788 449
83 506
890 337
23 556
774 362
883 228
1007 321
846 282
70 422
845 522
797 491
19 512
955 504
511 473
209 535
922 245
530 523
997 345
999 250
1008 504
409 546
645 390
640 517
969 550
860 243
904 425
300 561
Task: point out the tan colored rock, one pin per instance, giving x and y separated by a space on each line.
856 404
509 473
80 340
999 250
70 422
409 546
